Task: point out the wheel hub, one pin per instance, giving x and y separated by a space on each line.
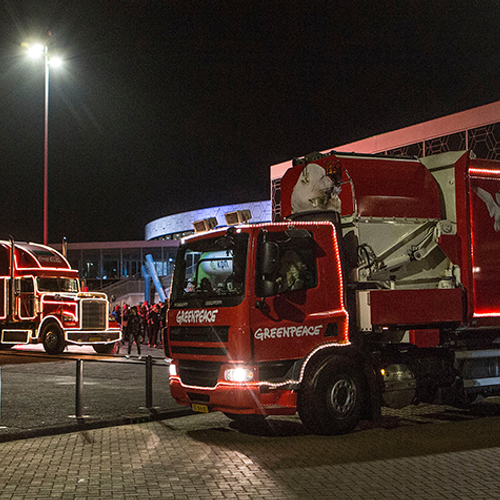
51 339
343 396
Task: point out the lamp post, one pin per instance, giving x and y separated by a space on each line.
37 50
46 151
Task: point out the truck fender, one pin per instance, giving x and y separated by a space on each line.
48 319
372 406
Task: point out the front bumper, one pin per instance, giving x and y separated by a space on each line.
92 337
236 398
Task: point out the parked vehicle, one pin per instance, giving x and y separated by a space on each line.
41 302
380 287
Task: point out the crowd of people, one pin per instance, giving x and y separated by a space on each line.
141 324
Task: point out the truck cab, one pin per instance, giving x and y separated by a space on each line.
41 302
248 305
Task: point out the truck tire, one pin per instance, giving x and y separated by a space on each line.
53 340
104 348
331 396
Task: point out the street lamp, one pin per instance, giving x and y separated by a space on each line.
36 50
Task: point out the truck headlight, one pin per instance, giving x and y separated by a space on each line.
172 370
238 375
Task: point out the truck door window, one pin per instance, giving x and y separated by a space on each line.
24 285
24 288
297 262
27 285
294 272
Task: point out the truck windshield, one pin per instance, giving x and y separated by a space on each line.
210 271
57 285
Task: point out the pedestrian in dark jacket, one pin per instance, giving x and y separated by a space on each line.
134 331
142 311
117 314
153 326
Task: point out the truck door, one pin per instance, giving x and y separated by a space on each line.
25 297
296 309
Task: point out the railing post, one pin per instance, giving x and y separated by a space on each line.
149 382
79 388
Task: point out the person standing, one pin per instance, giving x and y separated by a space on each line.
134 331
117 314
153 326
124 322
142 311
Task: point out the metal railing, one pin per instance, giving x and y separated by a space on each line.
43 395
149 361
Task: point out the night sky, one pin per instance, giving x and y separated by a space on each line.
169 106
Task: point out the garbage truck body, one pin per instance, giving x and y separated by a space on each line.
380 287
41 302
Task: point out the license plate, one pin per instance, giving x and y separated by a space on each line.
199 408
95 339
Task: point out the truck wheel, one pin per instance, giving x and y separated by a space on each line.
331 396
53 340
104 348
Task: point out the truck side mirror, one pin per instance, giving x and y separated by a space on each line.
268 258
268 288
268 267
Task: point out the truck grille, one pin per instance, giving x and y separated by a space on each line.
93 315
218 335
199 333
199 351
199 373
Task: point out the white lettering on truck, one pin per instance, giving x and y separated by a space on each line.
197 316
287 332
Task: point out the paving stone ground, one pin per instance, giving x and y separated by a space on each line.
208 456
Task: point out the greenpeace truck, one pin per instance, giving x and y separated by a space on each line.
41 302
381 287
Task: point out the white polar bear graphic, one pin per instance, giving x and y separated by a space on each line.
314 191
493 205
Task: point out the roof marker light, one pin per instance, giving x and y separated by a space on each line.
238 217
203 225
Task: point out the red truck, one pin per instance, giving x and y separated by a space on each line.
381 287
41 302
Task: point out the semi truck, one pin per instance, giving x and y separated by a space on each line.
379 287
41 301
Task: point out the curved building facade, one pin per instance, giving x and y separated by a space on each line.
176 226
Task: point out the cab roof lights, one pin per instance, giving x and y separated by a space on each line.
203 225
232 219
238 217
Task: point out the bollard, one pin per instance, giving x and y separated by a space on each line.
149 382
79 388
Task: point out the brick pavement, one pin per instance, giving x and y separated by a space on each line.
207 456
